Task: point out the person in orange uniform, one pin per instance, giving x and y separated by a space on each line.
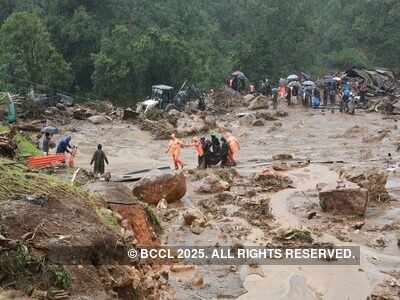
196 143
174 149
234 148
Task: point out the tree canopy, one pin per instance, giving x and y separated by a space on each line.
119 48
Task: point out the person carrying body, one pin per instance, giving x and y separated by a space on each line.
99 159
196 143
234 148
174 149
64 146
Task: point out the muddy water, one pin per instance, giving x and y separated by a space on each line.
311 134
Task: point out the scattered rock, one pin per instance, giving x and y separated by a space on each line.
359 225
258 122
372 179
260 102
273 182
193 214
99 119
266 115
225 197
281 114
181 268
198 280
349 199
212 184
311 215
171 187
248 98
190 125
81 114
247 119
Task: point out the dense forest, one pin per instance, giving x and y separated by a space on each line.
118 48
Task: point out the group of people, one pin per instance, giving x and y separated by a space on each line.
210 152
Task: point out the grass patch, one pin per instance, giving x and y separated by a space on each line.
153 218
108 219
17 181
26 147
4 129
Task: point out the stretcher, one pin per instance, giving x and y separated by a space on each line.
45 160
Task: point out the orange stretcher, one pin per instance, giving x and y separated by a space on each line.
45 160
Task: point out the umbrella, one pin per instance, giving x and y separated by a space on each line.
337 78
238 73
308 83
294 83
293 77
50 130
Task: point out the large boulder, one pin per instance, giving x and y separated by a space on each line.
372 179
171 187
212 184
190 125
99 119
345 198
81 113
260 102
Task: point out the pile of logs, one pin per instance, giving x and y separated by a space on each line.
8 146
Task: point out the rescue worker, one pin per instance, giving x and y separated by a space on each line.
224 152
275 98
196 143
363 92
99 159
64 146
174 149
234 148
46 143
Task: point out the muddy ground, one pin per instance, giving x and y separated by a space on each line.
329 140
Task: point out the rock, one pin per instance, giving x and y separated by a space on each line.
266 115
212 184
282 156
349 199
281 167
260 102
281 114
181 268
60 106
248 98
130 114
81 114
99 119
273 182
196 228
190 125
198 280
161 129
358 225
311 215
258 122
171 187
225 197
372 179
193 214
247 119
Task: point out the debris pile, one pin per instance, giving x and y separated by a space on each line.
372 179
8 146
271 181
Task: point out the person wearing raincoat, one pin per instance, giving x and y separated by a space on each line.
234 148
174 149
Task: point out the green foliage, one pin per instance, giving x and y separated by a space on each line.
153 218
118 49
26 147
27 56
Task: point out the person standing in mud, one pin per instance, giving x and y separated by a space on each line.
174 149
224 152
234 148
99 159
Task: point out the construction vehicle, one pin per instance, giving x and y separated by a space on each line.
164 98
8 109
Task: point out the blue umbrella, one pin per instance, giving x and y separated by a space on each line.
50 130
